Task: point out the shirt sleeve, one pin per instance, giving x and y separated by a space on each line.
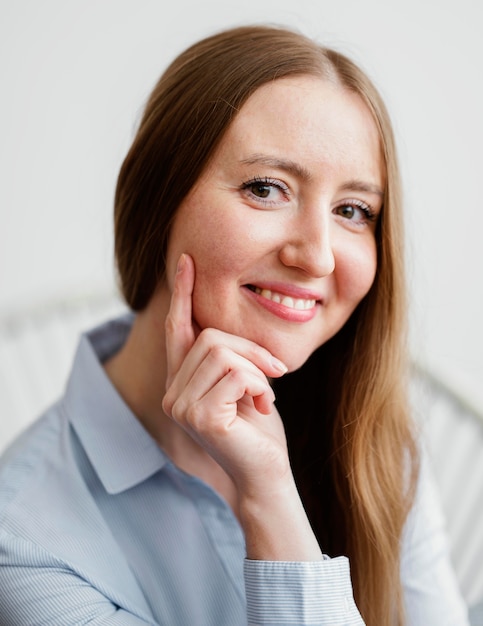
36 588
300 593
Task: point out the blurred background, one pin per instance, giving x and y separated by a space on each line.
74 77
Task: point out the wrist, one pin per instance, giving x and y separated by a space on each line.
276 526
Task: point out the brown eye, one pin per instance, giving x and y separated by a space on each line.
261 191
266 192
347 211
355 211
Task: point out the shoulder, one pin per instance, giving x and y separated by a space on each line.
42 490
24 463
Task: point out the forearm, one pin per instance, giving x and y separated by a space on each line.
276 526
287 578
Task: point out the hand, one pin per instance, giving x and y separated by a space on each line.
218 391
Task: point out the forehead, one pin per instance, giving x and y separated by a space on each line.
310 120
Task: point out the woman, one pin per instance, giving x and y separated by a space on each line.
251 417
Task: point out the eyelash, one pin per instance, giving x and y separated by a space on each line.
369 214
265 181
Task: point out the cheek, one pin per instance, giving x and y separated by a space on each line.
215 258
356 272
198 233
219 261
220 242
215 285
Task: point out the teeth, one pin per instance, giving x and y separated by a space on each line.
300 304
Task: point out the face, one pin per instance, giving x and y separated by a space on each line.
281 224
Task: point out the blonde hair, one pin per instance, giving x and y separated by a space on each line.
345 411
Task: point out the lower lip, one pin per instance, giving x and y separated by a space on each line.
284 312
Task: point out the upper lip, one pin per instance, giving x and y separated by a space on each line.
288 289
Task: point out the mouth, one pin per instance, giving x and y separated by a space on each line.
291 302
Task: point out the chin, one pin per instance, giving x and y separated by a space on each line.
293 357
294 364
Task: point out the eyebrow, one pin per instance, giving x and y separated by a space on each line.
360 185
298 170
282 164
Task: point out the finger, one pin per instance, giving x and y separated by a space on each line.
264 402
243 385
213 367
217 409
180 334
247 382
210 339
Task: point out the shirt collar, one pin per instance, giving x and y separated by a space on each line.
121 451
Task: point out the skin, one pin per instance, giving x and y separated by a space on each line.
296 237
279 207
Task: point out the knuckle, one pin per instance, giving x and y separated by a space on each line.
195 417
240 380
208 337
178 411
167 404
219 353
237 376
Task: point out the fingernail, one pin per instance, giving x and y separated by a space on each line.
181 263
279 366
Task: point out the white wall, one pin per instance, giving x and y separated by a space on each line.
74 76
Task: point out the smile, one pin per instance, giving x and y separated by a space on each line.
299 304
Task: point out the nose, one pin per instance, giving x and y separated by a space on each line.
309 245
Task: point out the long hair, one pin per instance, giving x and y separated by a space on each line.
345 411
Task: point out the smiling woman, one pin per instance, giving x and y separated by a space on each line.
291 223
239 449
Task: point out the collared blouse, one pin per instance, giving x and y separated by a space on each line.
98 526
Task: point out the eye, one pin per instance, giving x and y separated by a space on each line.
261 190
266 190
355 211
347 211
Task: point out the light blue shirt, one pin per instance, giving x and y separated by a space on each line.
98 526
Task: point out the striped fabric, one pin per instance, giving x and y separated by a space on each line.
98 526
273 587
